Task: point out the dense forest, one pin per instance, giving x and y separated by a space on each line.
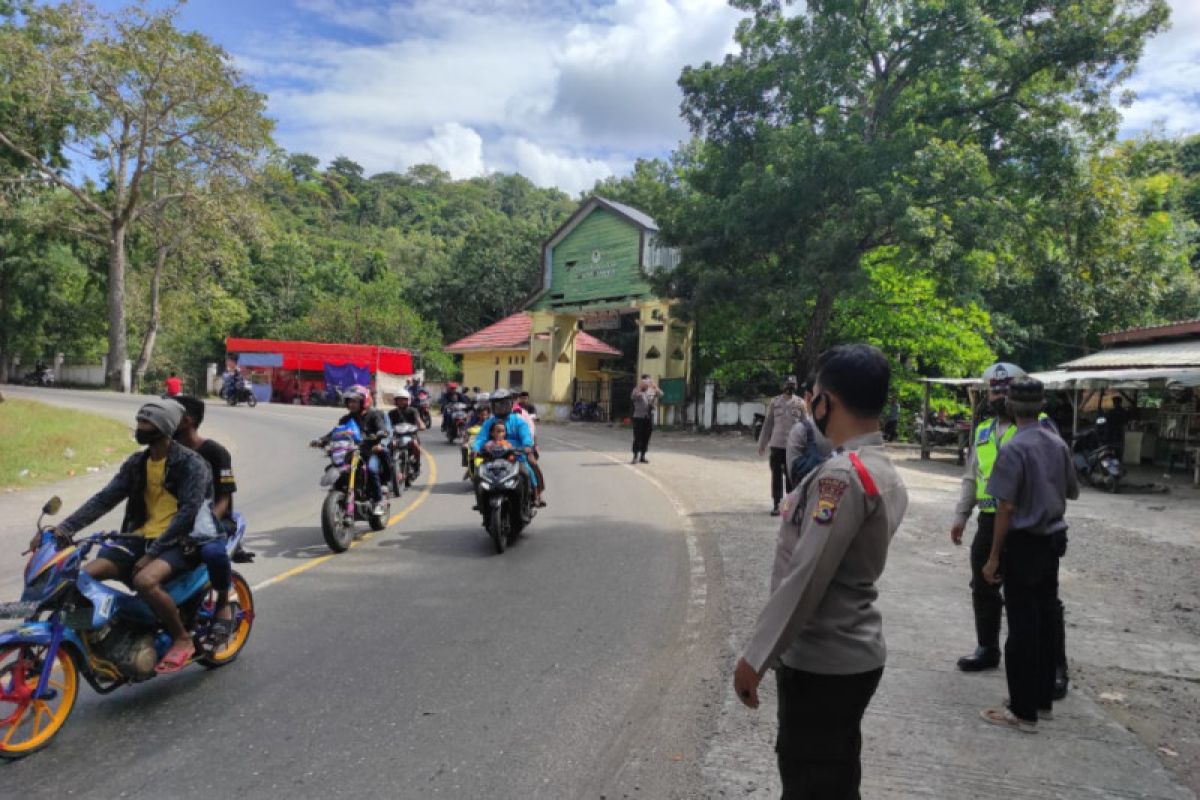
145 208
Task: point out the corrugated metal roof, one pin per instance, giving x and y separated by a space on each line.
1166 354
512 333
640 217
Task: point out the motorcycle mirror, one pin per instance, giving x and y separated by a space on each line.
53 506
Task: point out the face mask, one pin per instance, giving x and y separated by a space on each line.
822 422
999 407
147 437
789 390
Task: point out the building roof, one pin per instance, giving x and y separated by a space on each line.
1172 330
639 218
1146 356
512 333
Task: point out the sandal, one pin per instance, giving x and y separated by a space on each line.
176 658
1006 719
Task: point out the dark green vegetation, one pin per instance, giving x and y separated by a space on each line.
941 178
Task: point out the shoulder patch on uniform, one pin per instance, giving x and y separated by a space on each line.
829 494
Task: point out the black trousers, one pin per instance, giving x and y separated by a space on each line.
819 748
642 428
1029 565
988 602
780 482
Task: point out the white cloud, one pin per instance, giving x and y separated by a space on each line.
572 174
1167 80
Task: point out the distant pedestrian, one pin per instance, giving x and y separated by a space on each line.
807 449
1032 480
783 412
174 385
645 403
891 423
820 629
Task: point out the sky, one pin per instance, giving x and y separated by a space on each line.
562 91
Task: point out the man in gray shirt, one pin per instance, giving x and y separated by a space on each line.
1031 481
820 630
783 412
645 402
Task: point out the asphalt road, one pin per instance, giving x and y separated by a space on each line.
418 664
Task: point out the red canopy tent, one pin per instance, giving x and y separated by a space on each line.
313 356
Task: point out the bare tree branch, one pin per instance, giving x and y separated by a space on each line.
37 164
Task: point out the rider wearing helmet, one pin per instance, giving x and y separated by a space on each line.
451 395
405 414
990 435
516 431
377 434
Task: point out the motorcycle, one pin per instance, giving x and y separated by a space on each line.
757 426
471 461
588 412
1097 463
504 496
455 425
406 468
422 400
76 626
348 499
41 376
241 394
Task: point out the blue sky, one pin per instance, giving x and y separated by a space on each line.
563 91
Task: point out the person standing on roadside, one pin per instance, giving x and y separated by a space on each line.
1032 481
783 412
174 385
645 404
820 629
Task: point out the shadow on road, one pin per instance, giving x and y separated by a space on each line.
295 542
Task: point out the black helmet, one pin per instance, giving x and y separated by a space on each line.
501 402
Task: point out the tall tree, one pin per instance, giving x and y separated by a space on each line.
857 124
136 90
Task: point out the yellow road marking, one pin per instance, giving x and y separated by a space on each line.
411 507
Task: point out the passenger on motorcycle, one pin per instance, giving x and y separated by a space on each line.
404 413
451 395
164 487
516 431
527 414
481 411
377 434
213 551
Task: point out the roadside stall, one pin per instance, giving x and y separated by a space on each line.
315 373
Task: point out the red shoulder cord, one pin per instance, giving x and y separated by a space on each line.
867 481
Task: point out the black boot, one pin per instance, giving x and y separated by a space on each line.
984 658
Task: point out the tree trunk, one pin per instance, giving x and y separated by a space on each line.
814 335
143 359
118 347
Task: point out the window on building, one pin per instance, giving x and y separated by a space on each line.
516 377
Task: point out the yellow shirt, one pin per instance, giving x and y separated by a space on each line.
160 504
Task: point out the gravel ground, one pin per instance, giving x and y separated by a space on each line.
1131 727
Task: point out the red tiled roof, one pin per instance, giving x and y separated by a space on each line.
512 333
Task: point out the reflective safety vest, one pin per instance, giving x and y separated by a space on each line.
987 448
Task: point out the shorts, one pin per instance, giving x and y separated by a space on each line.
124 551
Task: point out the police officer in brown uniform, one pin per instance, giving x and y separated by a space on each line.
820 630
783 412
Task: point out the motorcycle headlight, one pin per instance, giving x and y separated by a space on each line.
484 484
511 483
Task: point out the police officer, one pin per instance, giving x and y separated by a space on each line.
783 412
1032 480
988 438
820 629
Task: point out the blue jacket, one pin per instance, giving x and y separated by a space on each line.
516 430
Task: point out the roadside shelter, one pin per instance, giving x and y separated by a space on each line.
296 371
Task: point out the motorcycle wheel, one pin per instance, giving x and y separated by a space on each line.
495 528
28 725
338 532
231 399
1110 484
378 521
242 603
251 400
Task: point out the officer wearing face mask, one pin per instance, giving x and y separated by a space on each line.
991 435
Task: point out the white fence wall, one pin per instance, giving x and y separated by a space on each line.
81 374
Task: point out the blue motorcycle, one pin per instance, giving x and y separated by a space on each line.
75 626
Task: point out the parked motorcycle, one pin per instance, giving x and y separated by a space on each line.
456 422
348 499
76 626
1097 463
588 412
40 376
504 496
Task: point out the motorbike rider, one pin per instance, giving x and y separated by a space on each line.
528 415
403 414
165 487
377 434
516 431
450 396
212 551
989 436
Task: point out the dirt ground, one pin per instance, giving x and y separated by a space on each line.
1130 583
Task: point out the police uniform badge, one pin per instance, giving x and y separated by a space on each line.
829 494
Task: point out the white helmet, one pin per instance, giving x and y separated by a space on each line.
482 397
999 375
403 393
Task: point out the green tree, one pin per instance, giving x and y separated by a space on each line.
905 123
133 90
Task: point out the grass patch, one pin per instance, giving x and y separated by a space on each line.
42 444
